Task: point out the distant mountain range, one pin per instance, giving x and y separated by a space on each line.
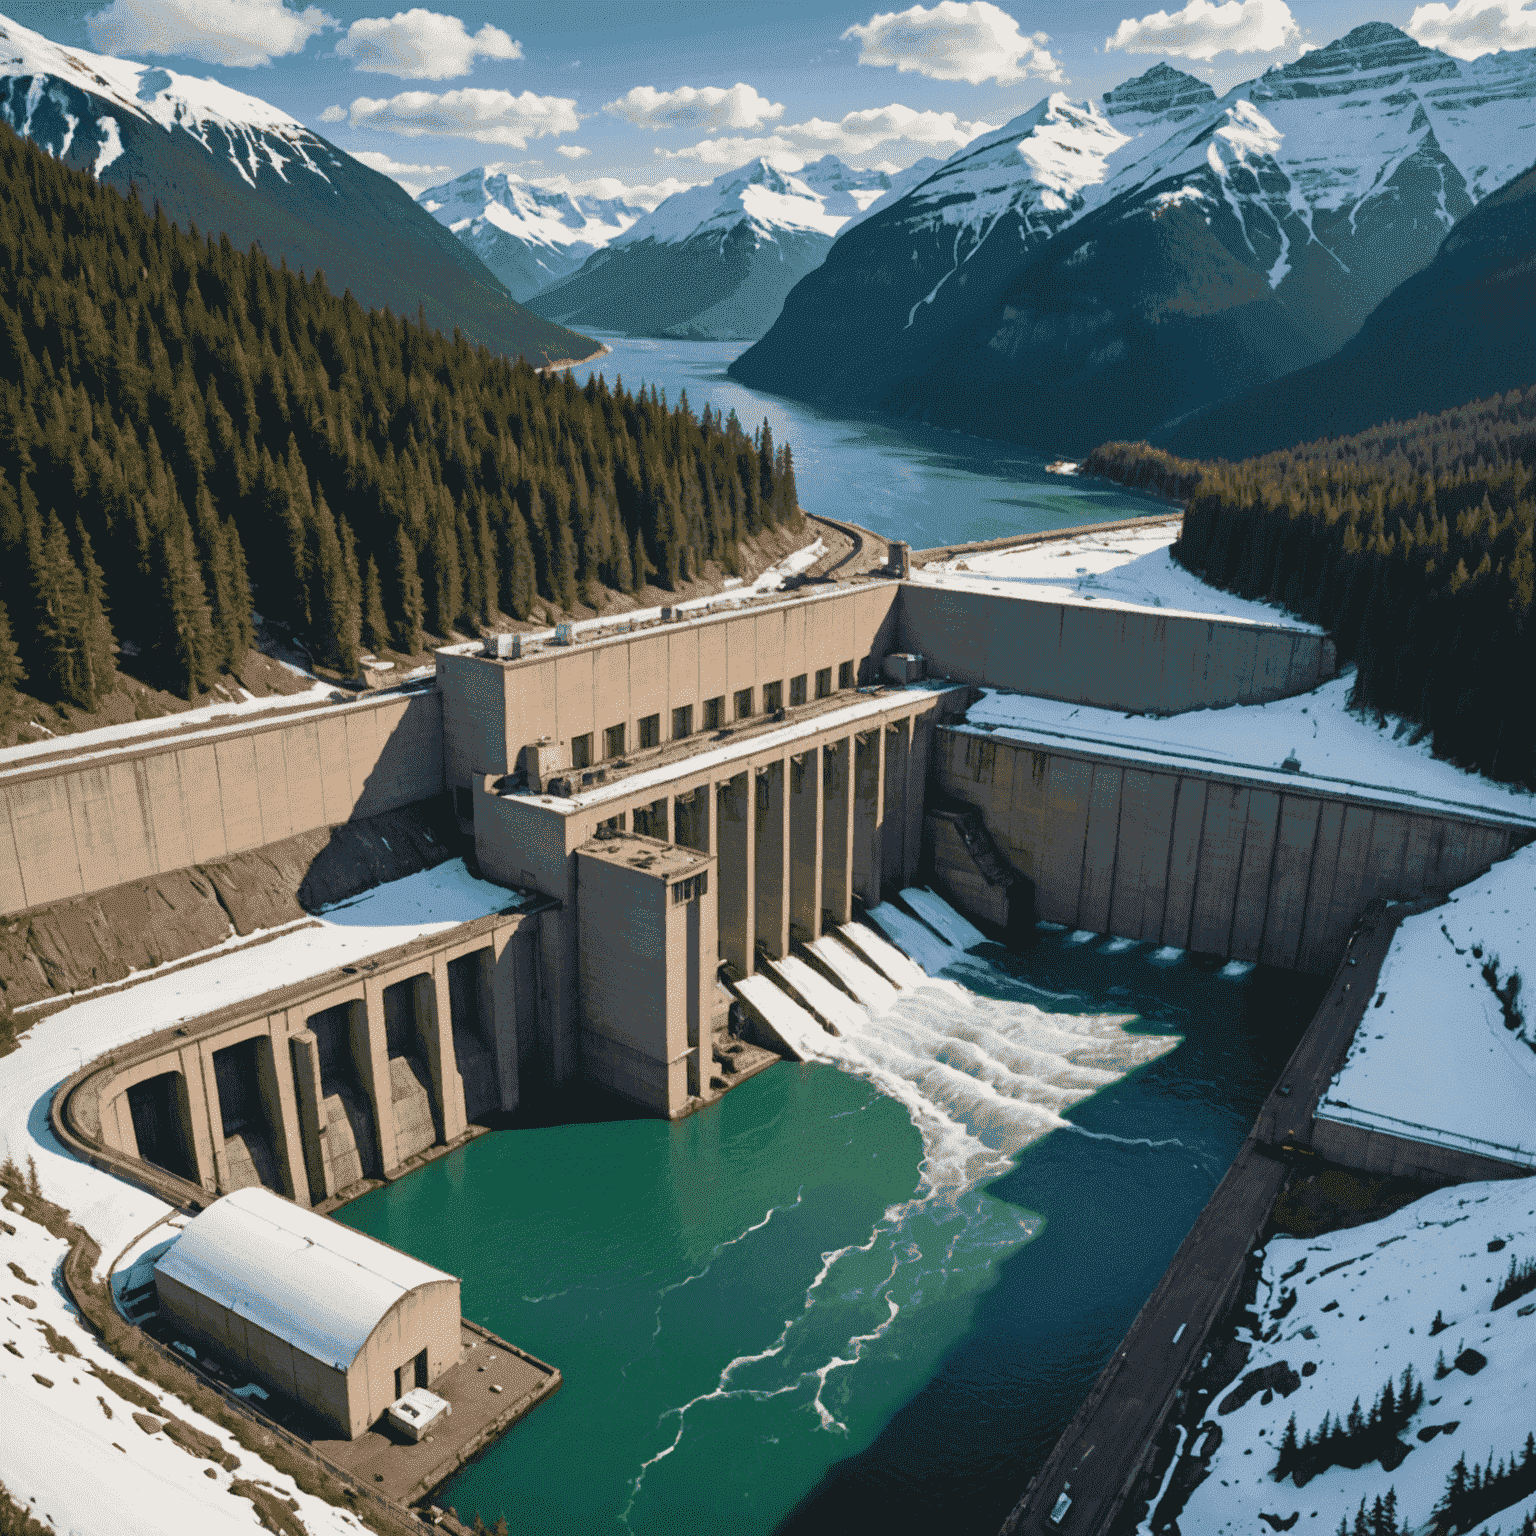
716 261
235 165
1463 329
528 235
1103 268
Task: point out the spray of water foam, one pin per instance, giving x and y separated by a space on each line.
981 1078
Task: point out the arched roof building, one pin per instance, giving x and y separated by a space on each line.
338 1321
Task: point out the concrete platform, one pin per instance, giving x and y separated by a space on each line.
490 1389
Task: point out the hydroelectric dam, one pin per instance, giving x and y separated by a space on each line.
690 817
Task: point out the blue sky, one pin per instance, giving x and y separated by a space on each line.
660 93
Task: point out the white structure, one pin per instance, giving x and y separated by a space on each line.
337 1321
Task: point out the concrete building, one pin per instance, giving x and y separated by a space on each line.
334 1320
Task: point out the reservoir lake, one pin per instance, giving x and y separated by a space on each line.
866 1294
901 479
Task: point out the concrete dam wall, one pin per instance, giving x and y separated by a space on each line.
1215 862
120 814
1109 657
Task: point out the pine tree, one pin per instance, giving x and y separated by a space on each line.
375 627
12 673
409 610
93 633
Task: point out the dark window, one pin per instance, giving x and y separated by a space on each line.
845 674
714 713
824 682
773 697
690 889
682 722
797 689
464 803
743 703
613 741
581 751
612 825
650 733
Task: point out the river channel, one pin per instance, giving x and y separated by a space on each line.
865 1295
857 1296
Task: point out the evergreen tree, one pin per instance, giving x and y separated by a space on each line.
12 673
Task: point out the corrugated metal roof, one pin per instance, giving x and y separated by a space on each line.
305 1278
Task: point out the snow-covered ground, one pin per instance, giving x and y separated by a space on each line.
1356 1307
53 1433
1331 742
1120 568
1434 1061
138 732
769 581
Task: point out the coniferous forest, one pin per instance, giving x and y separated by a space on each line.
188 434
1411 543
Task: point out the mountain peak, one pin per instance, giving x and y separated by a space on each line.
1375 45
1162 90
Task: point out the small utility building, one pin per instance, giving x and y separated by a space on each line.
339 1322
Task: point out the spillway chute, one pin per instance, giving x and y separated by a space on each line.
836 1010
943 918
855 976
783 1023
911 938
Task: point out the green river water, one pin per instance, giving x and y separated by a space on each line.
854 1295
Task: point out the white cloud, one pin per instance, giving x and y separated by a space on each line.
489 117
422 45
852 136
244 33
707 108
573 151
1473 27
414 178
951 41
1202 30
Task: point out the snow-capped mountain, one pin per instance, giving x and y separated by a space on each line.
1098 268
234 164
715 261
528 235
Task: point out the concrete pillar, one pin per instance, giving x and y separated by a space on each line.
837 833
806 809
275 1076
370 1059
893 824
435 1022
917 794
695 1000
508 1013
558 991
772 793
736 838
305 1050
197 1123
869 812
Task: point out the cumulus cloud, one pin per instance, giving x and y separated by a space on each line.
951 41
244 33
488 117
852 135
414 178
1202 30
572 151
422 45
706 108
1474 27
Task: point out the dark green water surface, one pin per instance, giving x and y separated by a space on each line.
855 1296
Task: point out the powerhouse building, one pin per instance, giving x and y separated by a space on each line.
328 1317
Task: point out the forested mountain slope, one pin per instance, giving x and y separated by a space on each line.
234 164
181 422
1410 543
1462 329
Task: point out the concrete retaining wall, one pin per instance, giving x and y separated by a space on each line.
1203 861
75 827
1375 1151
1112 658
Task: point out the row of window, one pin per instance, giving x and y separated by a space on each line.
714 714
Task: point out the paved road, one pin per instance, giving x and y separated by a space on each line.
1106 1446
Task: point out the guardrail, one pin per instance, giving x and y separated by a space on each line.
1502 1151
